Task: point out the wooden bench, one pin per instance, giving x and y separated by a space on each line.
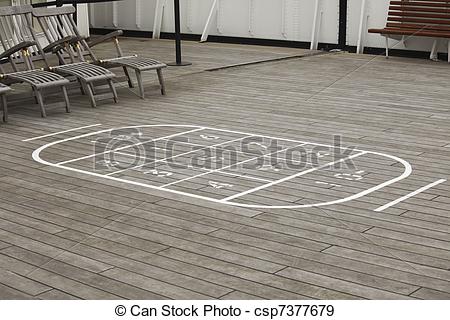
421 18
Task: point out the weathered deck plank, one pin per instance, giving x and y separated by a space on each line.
65 235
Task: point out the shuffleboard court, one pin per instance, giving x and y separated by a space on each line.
226 166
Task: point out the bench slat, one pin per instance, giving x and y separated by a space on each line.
411 32
417 26
437 17
420 4
419 9
425 1
418 20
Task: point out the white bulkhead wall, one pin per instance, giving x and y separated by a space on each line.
268 19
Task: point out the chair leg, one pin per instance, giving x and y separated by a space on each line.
161 81
433 53
387 47
66 98
448 46
127 74
90 94
140 84
40 102
91 85
113 90
5 108
35 98
82 88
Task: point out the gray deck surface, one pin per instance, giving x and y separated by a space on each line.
67 235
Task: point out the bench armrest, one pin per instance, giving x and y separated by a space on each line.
17 48
105 37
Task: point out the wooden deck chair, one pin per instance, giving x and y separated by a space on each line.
61 18
3 91
87 74
21 51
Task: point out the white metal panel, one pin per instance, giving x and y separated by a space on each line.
263 27
234 17
329 29
101 15
193 16
126 14
269 19
301 20
83 19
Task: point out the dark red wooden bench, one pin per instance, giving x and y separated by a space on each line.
421 18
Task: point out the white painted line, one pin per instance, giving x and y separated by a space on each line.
291 177
61 132
248 177
178 155
244 176
412 194
406 172
128 146
223 168
131 155
283 139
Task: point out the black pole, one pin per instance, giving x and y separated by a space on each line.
75 15
342 40
176 5
179 62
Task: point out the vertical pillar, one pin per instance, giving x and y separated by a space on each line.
342 38
178 61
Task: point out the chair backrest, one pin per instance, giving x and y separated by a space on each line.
16 27
57 23
424 15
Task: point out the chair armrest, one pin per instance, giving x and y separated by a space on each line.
104 38
59 44
17 48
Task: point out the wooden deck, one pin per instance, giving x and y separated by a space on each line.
67 235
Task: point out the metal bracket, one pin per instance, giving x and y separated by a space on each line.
138 14
91 12
213 12
115 19
190 13
363 22
448 48
251 8
157 24
434 51
318 13
405 41
284 11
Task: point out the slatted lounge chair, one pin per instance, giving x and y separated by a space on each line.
3 91
38 79
21 51
60 18
20 26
